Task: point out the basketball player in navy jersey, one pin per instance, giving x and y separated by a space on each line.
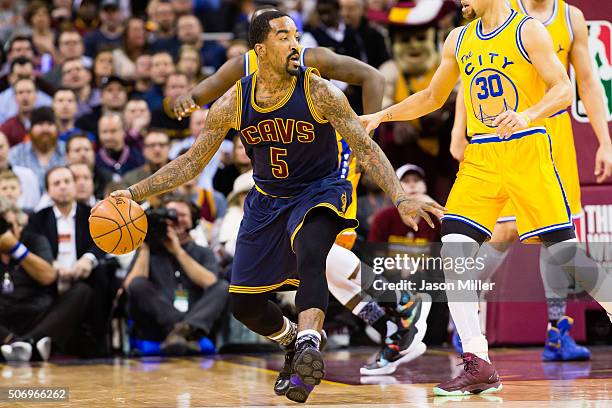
401 326
286 116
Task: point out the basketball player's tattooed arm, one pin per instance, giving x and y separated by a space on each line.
589 88
221 118
427 100
539 48
333 105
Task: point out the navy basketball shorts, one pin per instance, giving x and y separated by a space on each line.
265 260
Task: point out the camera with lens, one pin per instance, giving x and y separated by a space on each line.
158 227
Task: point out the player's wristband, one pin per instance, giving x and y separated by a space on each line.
131 193
19 252
525 116
400 200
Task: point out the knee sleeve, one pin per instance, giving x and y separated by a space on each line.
256 312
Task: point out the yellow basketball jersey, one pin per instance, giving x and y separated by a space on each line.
497 73
559 27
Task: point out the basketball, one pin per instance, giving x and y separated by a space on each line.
118 225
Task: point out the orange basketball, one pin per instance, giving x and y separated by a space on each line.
118 225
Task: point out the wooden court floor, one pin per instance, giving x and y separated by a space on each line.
246 380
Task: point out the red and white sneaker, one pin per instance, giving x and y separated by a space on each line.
479 376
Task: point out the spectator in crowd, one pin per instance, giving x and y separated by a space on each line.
369 203
84 185
10 187
15 128
11 17
65 109
102 67
190 63
31 313
62 15
212 205
424 141
29 196
162 14
373 45
174 293
137 119
161 68
38 17
70 45
190 31
386 225
155 150
43 151
20 46
78 78
177 84
21 68
110 31
87 20
182 7
331 31
223 180
80 150
76 258
142 76
113 99
134 45
236 48
114 155
230 224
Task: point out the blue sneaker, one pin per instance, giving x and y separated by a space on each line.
569 350
560 346
552 345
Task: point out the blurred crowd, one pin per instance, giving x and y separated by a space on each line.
82 86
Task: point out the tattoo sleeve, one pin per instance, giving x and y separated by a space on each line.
221 118
334 106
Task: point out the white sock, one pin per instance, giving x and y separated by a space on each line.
463 305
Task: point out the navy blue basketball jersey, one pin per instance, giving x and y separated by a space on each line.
290 144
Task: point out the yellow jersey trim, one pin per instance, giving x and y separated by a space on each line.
261 289
238 104
279 104
269 195
325 205
311 107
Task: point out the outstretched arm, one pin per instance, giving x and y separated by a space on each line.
427 100
352 71
334 106
221 118
207 90
591 94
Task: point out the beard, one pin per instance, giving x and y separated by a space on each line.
291 71
469 14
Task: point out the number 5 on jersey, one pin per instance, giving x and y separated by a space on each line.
280 169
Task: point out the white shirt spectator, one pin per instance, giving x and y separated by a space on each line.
66 243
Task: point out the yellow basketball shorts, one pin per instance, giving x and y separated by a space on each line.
519 170
559 127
